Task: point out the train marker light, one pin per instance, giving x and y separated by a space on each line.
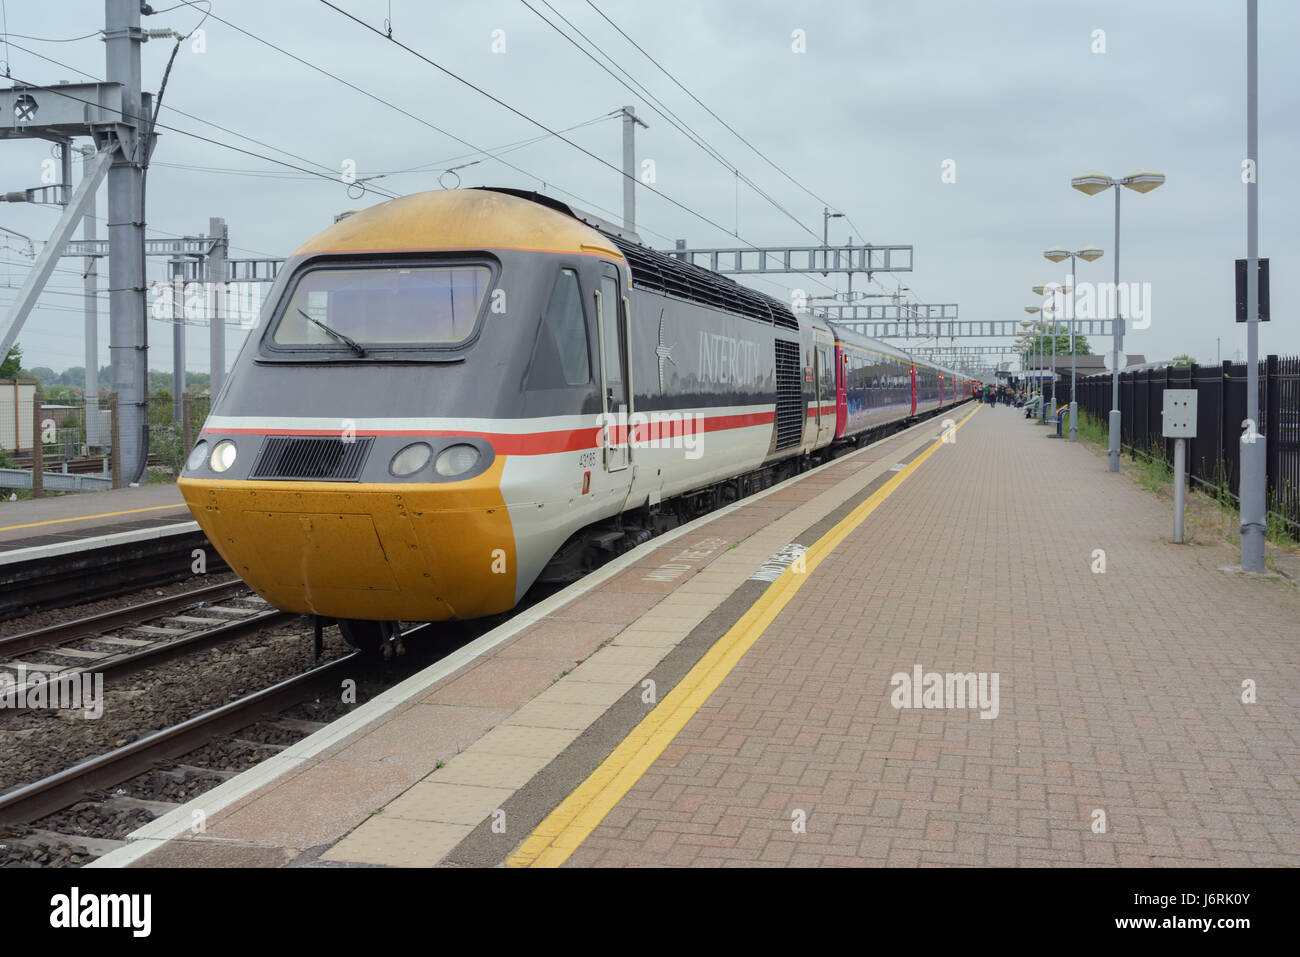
456 460
223 456
410 459
197 456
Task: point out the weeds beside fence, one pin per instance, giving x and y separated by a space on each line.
1214 455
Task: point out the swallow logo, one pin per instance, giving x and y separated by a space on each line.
663 351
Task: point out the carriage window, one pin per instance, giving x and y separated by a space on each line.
384 305
560 357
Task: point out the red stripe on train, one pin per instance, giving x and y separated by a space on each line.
543 443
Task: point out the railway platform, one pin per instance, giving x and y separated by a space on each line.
66 549
58 519
978 651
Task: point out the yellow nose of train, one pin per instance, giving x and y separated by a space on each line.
417 552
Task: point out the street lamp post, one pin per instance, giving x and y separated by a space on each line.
1040 327
1253 488
1092 183
1050 289
1056 255
1037 346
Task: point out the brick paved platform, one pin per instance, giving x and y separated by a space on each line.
1120 691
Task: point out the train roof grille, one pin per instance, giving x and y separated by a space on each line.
661 272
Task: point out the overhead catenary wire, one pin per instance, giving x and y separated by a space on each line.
331 174
740 136
423 167
706 108
198 119
658 106
395 107
476 150
327 176
23 36
540 125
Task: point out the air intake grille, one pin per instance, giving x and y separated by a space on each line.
652 269
318 459
789 395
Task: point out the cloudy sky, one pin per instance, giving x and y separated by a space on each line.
1012 92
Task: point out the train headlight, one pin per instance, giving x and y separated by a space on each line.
456 460
411 459
197 456
223 456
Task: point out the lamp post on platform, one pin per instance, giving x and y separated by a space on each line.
1041 349
1050 290
1056 255
1030 358
1021 348
1092 183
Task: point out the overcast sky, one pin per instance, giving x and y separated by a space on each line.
886 92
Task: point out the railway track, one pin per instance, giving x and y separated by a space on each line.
106 789
126 639
38 799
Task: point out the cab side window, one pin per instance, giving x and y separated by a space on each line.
560 357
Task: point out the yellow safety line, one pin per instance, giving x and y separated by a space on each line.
86 518
566 827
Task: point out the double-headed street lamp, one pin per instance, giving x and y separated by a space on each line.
1050 289
1035 350
1087 254
1025 347
1092 183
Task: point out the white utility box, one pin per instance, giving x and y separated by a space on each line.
1180 414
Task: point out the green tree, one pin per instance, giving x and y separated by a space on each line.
61 394
160 407
44 374
12 364
1041 343
1184 360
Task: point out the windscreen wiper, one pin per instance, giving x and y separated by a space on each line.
346 340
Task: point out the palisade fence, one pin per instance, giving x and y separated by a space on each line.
1214 456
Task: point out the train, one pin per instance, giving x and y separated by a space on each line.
454 395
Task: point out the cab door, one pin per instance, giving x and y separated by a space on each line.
615 389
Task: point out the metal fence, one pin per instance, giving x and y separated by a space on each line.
1214 456
75 438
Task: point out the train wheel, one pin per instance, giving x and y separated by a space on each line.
370 637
